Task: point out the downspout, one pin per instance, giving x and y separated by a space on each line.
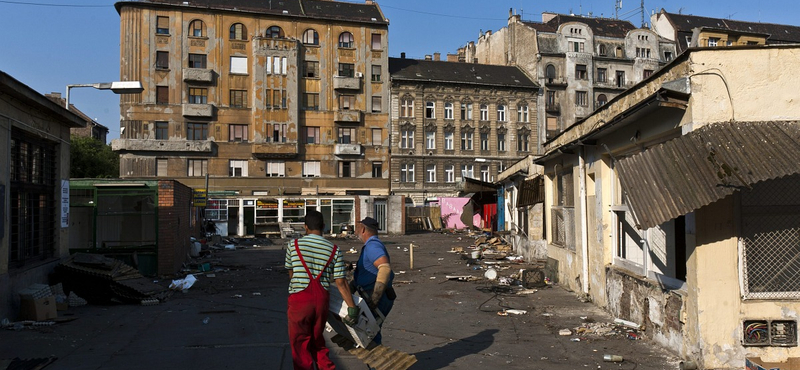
584 226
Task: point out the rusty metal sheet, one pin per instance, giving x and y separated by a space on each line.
377 356
531 191
706 165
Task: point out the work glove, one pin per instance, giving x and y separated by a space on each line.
352 316
377 293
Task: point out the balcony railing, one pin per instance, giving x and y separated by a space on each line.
274 150
552 107
348 116
149 145
198 110
347 149
198 75
555 81
346 83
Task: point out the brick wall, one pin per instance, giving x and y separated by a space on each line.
175 225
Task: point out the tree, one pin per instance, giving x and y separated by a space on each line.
90 158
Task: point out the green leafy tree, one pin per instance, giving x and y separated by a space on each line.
90 158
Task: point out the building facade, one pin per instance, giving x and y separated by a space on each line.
92 129
277 99
582 62
452 121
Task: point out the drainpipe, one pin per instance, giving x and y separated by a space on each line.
584 226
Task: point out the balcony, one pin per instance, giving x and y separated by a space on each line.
612 85
347 149
346 83
274 150
198 110
555 81
349 116
198 75
554 108
148 145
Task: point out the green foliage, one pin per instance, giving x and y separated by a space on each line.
90 158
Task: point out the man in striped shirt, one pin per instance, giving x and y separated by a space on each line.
313 263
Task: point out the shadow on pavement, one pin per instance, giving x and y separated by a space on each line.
444 356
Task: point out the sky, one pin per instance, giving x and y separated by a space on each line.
49 44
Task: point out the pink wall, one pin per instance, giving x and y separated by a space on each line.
451 209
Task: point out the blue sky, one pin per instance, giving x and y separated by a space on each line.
48 44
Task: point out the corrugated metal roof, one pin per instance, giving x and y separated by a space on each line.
706 165
377 356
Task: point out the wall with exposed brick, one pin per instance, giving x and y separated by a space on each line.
175 225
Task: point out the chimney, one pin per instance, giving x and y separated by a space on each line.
56 95
428 57
403 55
437 56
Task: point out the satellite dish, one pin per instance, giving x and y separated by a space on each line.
490 274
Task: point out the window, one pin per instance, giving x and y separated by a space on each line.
239 65
450 173
162 60
551 102
501 142
237 168
647 73
238 99
346 70
311 69
448 110
162 130
407 172
311 169
310 101
310 37
602 50
312 135
197 167
667 55
196 131
346 40
430 140
237 132
376 73
580 98
430 109
278 99
431 173
522 141
601 100
550 72
347 169
276 65
197 61
196 28
466 141
238 32
713 41
347 102
162 94
376 41
346 135
407 108
274 32
377 170
448 140
407 139
522 113
484 141
376 104
580 71
466 111
484 112
161 167
620 78
467 170
275 168
276 132
501 113
618 52
485 173
576 46
198 95
377 136
162 25
602 75
551 127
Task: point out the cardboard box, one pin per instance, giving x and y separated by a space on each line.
755 363
38 309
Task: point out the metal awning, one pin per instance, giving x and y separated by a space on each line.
706 165
531 191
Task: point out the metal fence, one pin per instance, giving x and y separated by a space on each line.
563 227
771 239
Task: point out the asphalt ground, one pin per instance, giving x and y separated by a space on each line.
234 316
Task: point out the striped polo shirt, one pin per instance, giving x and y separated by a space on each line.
315 250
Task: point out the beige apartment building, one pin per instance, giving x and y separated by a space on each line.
582 62
452 121
272 104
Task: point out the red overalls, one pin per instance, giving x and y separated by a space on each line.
308 312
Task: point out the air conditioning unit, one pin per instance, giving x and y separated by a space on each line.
359 75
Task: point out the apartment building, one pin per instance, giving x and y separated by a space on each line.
582 62
452 121
271 104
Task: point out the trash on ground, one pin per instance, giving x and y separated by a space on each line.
565 332
627 323
517 312
183 284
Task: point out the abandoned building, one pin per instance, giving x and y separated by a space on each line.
674 206
452 121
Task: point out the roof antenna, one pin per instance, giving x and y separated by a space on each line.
617 7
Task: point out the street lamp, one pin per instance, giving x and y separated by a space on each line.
118 87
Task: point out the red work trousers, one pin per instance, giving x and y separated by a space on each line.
308 312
